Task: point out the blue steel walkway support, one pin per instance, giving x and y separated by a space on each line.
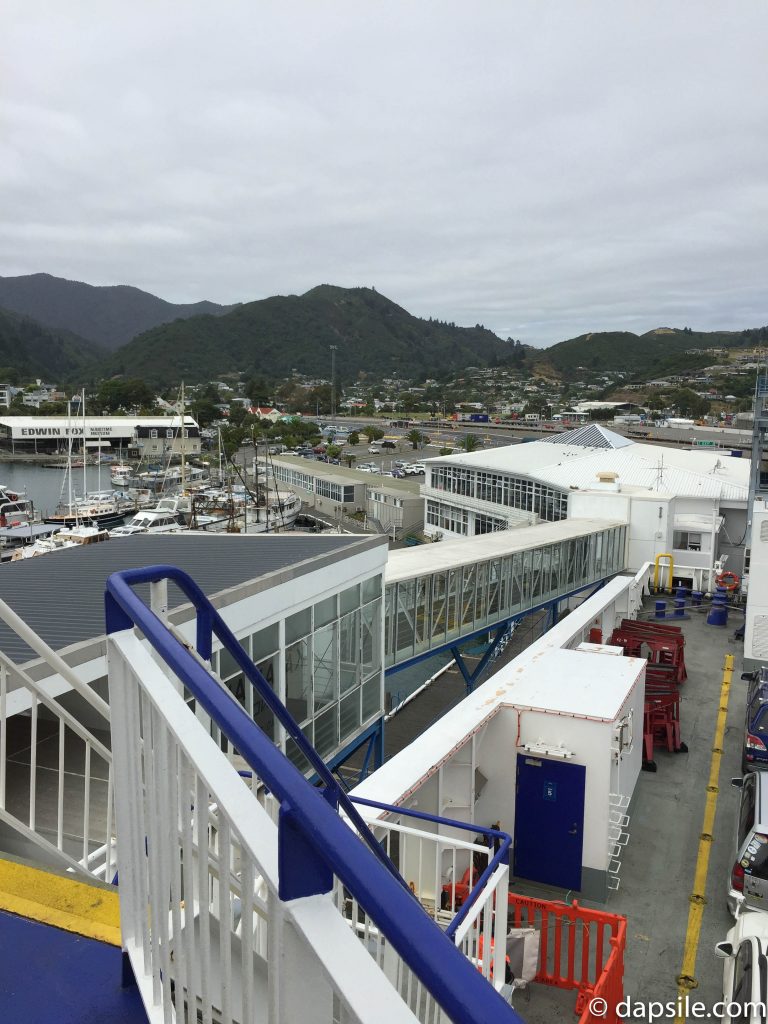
470 678
372 739
314 842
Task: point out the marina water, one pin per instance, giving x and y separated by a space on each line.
46 487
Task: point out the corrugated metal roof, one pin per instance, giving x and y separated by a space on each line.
591 435
61 594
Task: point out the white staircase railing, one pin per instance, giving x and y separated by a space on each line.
228 915
207 934
56 783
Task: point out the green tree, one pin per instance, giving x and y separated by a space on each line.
349 458
333 451
372 433
417 438
354 438
689 403
205 411
471 442
118 393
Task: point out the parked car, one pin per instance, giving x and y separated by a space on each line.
373 449
389 444
419 468
745 978
749 865
755 750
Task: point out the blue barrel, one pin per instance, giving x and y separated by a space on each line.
718 613
696 597
679 608
661 609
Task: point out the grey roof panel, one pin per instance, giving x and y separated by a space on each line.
61 594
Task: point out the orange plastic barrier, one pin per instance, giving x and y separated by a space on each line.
580 949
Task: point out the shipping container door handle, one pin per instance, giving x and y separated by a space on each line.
574 830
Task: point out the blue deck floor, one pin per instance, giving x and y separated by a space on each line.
49 976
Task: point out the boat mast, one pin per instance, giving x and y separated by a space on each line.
85 477
69 455
183 442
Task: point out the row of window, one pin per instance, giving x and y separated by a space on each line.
549 503
343 493
169 432
447 517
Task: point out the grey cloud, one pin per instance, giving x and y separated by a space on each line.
542 169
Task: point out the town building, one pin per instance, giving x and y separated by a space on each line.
692 504
392 504
154 436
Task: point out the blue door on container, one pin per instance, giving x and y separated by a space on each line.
549 821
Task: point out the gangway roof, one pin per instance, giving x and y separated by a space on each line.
408 563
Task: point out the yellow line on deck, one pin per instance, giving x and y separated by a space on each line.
687 978
60 900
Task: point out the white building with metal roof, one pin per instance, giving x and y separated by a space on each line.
152 434
677 500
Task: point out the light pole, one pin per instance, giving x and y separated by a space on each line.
333 380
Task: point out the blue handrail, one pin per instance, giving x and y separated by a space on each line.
314 843
501 856
209 624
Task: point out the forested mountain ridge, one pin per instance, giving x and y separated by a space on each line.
663 350
109 315
273 336
29 350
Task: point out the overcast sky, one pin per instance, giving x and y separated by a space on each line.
544 168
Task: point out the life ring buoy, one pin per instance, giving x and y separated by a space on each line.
728 580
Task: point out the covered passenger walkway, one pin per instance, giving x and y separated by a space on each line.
440 595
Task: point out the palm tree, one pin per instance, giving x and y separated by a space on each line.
349 458
471 442
416 438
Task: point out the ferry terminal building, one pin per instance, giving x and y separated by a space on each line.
149 436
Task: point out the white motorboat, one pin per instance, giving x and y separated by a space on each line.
72 537
168 516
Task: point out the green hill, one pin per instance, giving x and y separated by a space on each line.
109 316
643 355
30 350
273 336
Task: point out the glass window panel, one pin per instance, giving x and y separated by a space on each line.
325 611
265 642
349 715
295 755
371 638
326 671
372 698
298 625
405 604
298 679
349 651
227 664
260 711
438 605
350 599
327 732
372 588
467 596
